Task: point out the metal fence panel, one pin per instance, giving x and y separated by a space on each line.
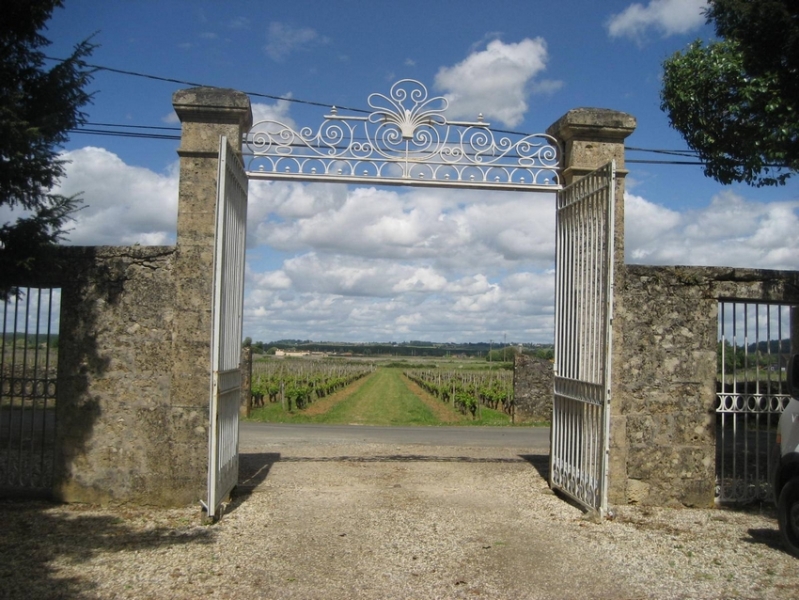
752 391
28 374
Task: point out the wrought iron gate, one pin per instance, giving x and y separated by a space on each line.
583 313
754 348
231 230
28 372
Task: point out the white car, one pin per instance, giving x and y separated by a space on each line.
785 464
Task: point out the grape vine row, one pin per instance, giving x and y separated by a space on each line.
468 391
296 384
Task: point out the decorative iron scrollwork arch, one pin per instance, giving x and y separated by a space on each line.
406 140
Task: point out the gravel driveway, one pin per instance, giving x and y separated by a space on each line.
367 520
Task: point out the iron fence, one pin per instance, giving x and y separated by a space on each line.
28 373
751 392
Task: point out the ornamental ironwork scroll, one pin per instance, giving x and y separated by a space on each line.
406 140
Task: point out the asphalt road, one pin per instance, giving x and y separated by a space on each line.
256 435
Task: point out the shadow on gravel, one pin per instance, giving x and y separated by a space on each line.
766 537
254 468
540 462
399 458
36 535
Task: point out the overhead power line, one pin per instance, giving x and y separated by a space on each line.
92 129
195 84
160 136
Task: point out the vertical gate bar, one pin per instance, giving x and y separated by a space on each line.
46 475
22 388
724 388
783 380
568 309
609 308
745 403
587 364
24 457
599 296
589 275
736 397
590 287
597 299
570 285
34 383
4 376
574 341
581 354
762 397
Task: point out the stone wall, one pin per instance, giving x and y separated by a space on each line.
135 337
664 373
532 388
115 353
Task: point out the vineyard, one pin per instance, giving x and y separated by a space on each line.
297 384
468 391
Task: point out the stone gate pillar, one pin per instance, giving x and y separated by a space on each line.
590 138
205 114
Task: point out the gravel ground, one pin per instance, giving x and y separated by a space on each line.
329 521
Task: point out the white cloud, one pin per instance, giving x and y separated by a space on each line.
239 23
731 231
283 40
452 230
122 205
279 111
496 81
171 118
330 262
367 263
669 17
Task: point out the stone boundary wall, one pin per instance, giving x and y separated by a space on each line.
533 382
664 377
114 356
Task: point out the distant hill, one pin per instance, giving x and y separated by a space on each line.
410 348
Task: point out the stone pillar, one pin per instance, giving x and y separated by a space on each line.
205 115
590 138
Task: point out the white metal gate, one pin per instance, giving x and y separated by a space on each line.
583 313
230 242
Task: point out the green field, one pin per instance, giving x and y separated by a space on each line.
384 397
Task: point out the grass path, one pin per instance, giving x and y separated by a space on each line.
385 397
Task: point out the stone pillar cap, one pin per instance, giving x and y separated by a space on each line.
227 105
593 123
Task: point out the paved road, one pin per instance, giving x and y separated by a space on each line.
256 435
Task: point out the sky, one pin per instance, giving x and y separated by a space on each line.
362 264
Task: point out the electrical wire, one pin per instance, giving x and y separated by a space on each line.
162 136
156 136
194 84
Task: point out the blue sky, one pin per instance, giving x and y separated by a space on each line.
399 264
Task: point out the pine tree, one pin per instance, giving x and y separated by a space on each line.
38 107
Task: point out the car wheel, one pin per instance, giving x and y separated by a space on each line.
788 514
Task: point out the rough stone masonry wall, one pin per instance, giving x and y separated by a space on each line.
665 377
115 347
532 388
